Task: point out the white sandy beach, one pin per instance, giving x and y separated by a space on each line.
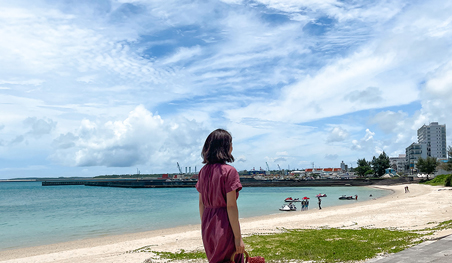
418 209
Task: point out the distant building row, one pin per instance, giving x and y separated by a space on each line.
431 143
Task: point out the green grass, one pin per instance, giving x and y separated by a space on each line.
443 179
318 245
181 255
442 226
330 245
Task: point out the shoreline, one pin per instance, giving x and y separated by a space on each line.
415 210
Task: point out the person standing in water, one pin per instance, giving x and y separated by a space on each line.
218 186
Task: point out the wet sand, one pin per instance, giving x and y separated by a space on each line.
422 207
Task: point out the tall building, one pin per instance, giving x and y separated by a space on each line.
344 167
434 137
413 153
398 163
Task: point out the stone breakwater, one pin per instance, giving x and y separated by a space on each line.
246 182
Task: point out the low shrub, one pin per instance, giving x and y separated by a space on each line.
443 179
448 180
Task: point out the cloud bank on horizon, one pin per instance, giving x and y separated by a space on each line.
111 86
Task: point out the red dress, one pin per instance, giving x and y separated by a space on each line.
214 181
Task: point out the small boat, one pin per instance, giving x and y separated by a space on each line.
285 208
290 199
321 195
344 197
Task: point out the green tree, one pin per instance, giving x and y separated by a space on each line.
369 172
363 167
427 165
448 165
449 152
380 164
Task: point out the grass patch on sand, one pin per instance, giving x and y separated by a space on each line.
442 226
317 245
330 245
181 255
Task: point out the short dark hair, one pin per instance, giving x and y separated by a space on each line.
216 148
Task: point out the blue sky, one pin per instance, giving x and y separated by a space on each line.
109 87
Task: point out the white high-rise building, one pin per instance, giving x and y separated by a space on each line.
344 167
398 163
413 153
434 137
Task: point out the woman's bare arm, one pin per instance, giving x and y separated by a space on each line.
233 214
201 206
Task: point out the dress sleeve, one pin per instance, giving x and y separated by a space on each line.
197 186
232 180
198 183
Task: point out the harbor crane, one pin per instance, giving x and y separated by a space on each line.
178 167
268 168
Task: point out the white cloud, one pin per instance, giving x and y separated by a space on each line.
389 121
337 134
18 139
366 143
437 95
370 95
375 72
39 127
280 159
183 54
141 139
34 82
87 79
240 159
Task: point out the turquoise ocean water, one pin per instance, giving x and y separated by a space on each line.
31 214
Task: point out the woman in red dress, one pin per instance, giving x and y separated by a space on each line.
218 186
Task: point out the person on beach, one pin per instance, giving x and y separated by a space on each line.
218 186
320 203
